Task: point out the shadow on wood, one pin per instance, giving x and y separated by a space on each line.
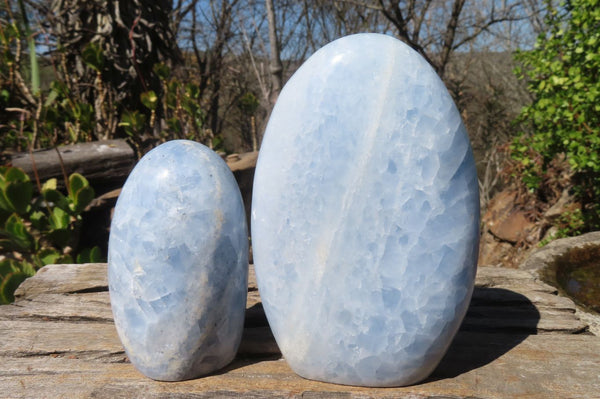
497 320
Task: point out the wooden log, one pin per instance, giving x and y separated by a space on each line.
243 166
106 164
477 365
58 340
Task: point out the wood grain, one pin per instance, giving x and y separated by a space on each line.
519 339
103 163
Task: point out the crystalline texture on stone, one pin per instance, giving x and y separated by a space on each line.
365 215
178 263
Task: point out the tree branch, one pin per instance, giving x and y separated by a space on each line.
449 36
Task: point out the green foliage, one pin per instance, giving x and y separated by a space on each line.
95 92
12 274
39 118
89 255
563 74
134 123
149 99
93 57
248 103
568 224
178 103
38 231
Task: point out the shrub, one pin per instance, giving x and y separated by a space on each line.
36 231
563 121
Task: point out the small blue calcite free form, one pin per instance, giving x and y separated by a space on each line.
178 263
365 216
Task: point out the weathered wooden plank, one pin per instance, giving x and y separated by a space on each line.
506 295
27 338
59 279
60 333
506 277
477 365
103 163
94 306
62 278
86 277
530 325
493 307
243 161
23 338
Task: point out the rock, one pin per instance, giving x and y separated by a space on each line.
496 252
365 215
505 221
178 263
545 262
544 256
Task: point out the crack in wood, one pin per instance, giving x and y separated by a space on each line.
101 288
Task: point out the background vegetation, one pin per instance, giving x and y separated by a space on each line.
558 153
210 70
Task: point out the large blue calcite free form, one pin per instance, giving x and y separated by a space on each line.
178 263
365 216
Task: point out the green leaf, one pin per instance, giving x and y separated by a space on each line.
133 122
87 255
8 266
18 195
28 268
50 184
52 96
18 234
82 199
95 255
161 70
9 285
57 199
93 56
66 259
4 203
59 237
149 99
76 183
59 219
4 95
16 175
49 256
38 220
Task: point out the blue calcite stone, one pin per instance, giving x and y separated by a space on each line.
178 263
365 217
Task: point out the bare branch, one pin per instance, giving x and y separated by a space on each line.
449 36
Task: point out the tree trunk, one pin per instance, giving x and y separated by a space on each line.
276 67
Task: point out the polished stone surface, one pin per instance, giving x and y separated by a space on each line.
178 263
365 217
